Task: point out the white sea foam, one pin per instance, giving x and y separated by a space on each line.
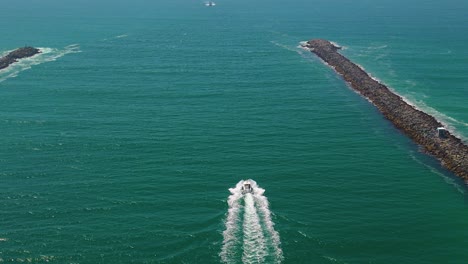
286 47
230 235
447 121
304 48
254 233
333 260
370 75
46 55
116 37
300 49
377 47
263 205
419 104
338 45
254 240
304 45
4 53
335 44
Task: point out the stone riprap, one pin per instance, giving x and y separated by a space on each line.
17 54
419 126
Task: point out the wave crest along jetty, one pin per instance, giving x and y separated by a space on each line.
17 54
422 128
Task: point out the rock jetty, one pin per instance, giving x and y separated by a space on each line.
17 54
419 126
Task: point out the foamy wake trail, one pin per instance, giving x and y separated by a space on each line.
254 239
250 229
46 55
263 205
230 235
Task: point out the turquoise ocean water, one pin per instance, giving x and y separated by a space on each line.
119 143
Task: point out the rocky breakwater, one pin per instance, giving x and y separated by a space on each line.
419 126
17 54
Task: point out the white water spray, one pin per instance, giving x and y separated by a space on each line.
249 229
230 235
46 55
263 205
254 239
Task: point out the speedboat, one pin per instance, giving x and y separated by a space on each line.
210 3
247 187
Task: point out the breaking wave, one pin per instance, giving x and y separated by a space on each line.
338 45
115 37
419 104
250 236
447 121
46 55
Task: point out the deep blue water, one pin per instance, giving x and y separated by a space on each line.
120 141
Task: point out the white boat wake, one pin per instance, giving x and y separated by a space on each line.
46 55
210 3
250 236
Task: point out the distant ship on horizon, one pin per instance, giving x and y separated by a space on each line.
210 3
